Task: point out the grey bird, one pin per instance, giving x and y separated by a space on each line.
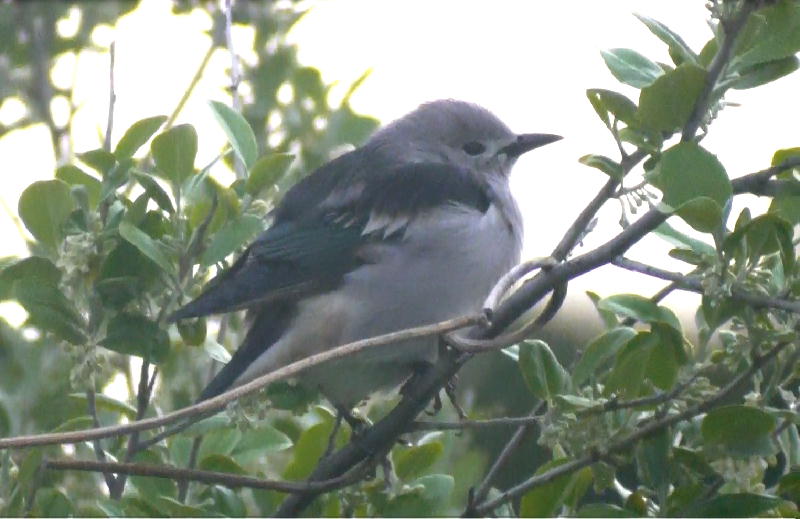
414 227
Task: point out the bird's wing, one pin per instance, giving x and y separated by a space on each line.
317 233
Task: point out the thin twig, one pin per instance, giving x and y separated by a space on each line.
642 432
646 401
694 284
112 98
257 384
731 30
188 92
91 404
509 421
142 403
236 79
203 476
510 447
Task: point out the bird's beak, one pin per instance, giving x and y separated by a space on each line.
528 141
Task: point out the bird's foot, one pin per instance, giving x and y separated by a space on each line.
450 391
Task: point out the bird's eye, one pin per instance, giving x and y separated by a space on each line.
474 148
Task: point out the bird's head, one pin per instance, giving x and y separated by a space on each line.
458 133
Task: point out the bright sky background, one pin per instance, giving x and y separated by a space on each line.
528 61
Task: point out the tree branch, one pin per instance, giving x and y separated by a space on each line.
693 284
219 402
627 442
205 476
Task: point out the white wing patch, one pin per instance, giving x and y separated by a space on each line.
385 223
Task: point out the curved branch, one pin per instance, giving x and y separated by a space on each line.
628 441
205 476
218 402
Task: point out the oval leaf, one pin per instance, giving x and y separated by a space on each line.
740 429
631 68
686 173
174 152
44 206
267 171
75 176
239 133
668 102
600 349
146 245
604 164
135 334
230 237
137 135
543 374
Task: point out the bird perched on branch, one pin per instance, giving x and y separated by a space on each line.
413 228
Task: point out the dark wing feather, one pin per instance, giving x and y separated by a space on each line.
315 240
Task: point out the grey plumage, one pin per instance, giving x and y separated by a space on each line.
412 228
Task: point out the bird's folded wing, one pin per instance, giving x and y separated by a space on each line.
315 239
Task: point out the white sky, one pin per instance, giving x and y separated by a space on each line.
528 61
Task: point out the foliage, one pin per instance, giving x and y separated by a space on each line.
641 422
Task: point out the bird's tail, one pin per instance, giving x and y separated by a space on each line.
269 323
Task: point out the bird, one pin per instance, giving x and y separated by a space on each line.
412 228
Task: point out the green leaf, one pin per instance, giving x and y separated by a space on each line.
631 68
99 160
543 374
31 268
146 245
51 502
609 318
604 164
174 152
135 334
220 441
174 508
106 403
599 350
604 510
154 190
212 423
668 102
307 451
429 497
544 500
75 176
789 485
763 73
652 461
676 237
49 309
736 505
44 207
609 102
693 180
629 372
192 331
239 133
411 462
137 135
784 155
633 305
787 207
741 430
779 37
232 235
151 488
261 440
267 171
221 463
75 424
678 49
